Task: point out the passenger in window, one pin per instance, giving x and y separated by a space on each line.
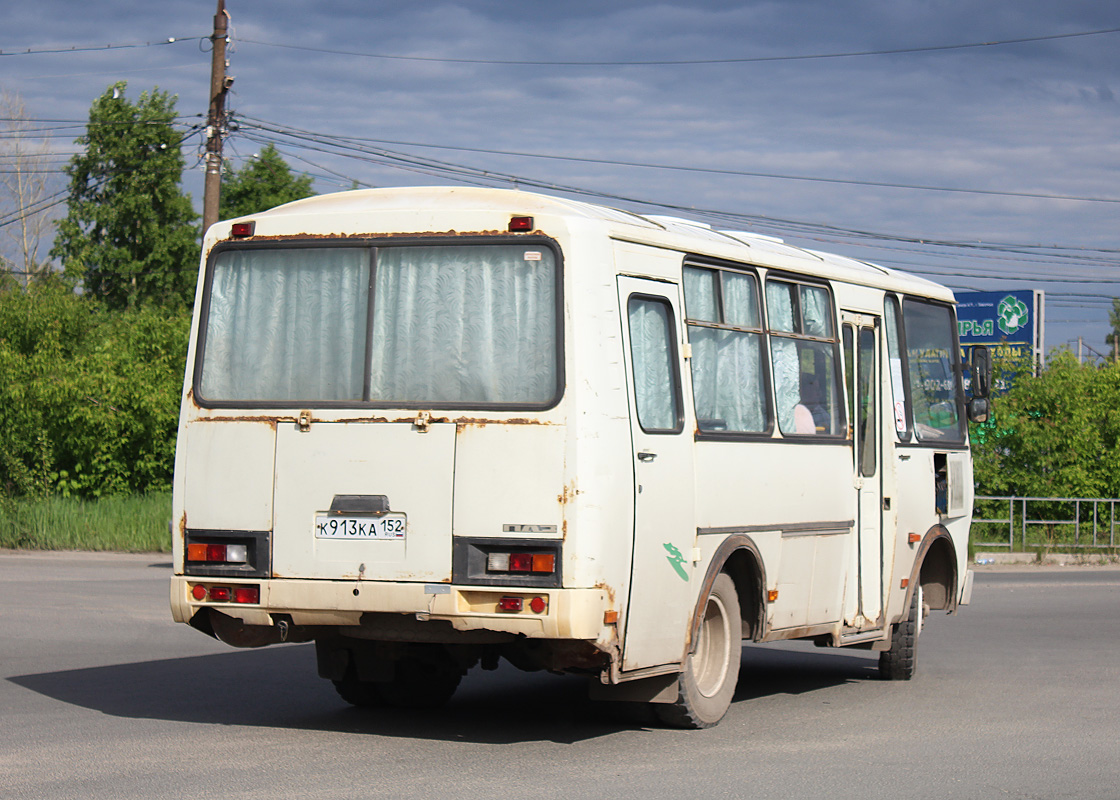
814 401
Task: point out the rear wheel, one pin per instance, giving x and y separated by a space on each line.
420 683
363 694
427 678
899 663
707 683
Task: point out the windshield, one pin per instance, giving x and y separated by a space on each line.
422 325
932 356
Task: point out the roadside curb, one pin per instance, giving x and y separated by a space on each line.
1046 559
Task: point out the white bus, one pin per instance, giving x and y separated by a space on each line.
430 428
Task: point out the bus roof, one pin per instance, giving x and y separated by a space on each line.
426 204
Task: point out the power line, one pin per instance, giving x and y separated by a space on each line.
719 171
8 52
351 148
689 62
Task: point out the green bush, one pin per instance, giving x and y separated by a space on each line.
1056 434
89 398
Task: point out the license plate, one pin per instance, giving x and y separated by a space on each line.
387 526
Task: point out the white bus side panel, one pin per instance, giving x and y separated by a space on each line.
227 470
768 489
509 479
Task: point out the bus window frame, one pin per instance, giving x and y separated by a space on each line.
891 299
840 392
717 265
674 364
915 439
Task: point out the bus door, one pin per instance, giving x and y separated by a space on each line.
661 583
862 378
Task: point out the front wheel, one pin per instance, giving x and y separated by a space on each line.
711 671
899 663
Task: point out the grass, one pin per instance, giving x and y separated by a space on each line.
136 524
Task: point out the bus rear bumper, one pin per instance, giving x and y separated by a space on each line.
534 613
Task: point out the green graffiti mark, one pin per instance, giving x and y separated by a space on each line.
676 560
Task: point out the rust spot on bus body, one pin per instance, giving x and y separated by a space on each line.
609 591
468 422
568 494
318 237
262 420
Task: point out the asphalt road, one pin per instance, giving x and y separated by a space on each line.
103 696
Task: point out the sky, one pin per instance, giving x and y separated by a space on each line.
972 143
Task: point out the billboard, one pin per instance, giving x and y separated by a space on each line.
1010 322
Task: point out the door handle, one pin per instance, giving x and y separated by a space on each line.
646 456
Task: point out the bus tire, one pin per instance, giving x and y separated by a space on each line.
363 694
420 684
707 682
899 663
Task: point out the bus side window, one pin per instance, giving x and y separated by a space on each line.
654 358
895 365
725 331
803 345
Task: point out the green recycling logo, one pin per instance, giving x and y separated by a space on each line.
1012 314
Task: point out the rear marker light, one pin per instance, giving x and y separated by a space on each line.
241 230
521 223
509 604
247 594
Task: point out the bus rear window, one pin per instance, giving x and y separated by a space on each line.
424 325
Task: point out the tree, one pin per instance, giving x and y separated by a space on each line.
1056 434
130 233
25 180
266 182
1113 339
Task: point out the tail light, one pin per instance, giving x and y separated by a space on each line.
246 595
539 563
218 553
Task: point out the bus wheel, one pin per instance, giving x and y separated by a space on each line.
362 694
420 683
898 663
707 683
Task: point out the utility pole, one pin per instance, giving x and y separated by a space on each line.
216 119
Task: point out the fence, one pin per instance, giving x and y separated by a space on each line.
1029 523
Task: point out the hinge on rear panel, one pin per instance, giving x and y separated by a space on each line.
422 421
304 421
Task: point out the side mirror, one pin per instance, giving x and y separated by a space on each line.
978 409
981 366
